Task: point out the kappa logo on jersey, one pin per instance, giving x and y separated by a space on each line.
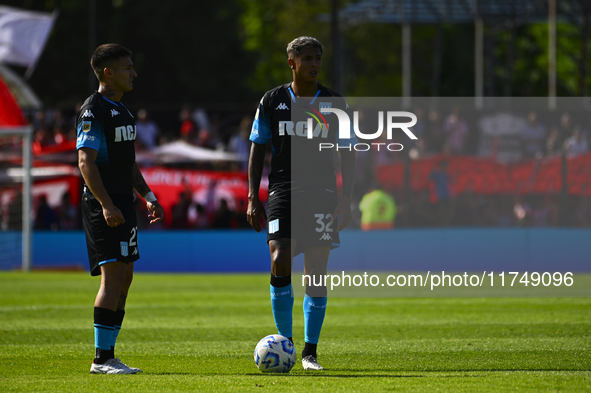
86 126
134 252
282 106
325 236
125 133
87 113
114 113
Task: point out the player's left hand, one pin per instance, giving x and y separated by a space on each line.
156 212
343 209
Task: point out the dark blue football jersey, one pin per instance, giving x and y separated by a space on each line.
283 119
109 128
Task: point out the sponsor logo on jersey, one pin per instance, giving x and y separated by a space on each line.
87 113
301 129
124 249
125 133
282 106
83 138
134 252
325 236
114 113
273 226
86 126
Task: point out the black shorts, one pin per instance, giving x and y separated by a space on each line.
304 216
109 244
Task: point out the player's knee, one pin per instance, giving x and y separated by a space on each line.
281 267
115 281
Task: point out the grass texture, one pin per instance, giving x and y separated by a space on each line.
197 332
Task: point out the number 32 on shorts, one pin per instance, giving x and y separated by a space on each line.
322 227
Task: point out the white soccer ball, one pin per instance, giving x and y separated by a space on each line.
275 354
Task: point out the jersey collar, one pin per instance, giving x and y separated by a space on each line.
293 96
112 102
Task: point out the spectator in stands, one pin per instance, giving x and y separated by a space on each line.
180 212
224 217
533 137
40 121
240 144
188 126
522 212
45 217
576 144
441 182
434 134
147 131
419 130
539 212
41 140
204 139
201 217
207 136
456 130
565 128
67 213
59 135
553 144
57 119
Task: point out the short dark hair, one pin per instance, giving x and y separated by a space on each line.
105 54
295 46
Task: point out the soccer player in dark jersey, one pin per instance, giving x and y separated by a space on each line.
106 158
303 202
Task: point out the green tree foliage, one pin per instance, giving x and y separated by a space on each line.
531 60
270 25
219 53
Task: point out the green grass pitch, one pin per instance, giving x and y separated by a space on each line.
197 333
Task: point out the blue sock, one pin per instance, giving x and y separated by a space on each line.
104 325
282 304
314 310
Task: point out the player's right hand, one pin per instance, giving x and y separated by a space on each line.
113 216
254 212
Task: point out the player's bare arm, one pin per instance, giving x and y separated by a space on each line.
255 208
142 188
92 178
348 173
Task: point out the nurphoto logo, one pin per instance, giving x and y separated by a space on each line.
345 130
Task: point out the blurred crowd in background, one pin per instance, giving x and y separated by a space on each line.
443 134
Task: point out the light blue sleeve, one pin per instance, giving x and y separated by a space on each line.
89 133
261 127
